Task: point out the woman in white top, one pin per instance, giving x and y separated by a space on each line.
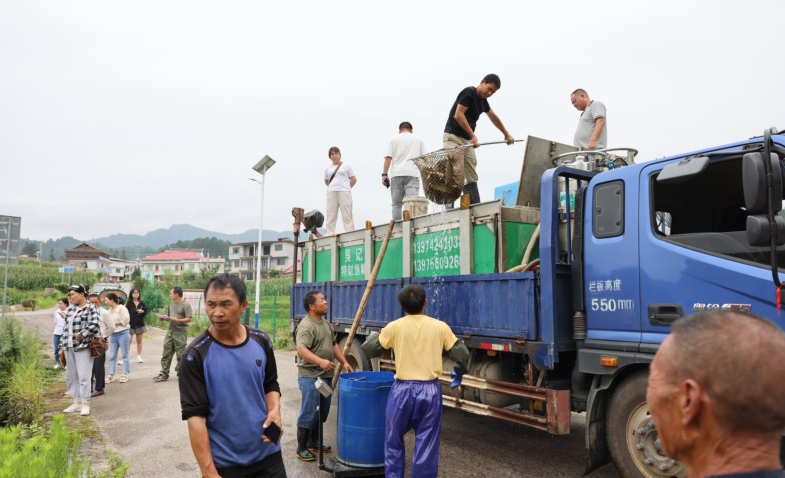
119 340
59 318
340 179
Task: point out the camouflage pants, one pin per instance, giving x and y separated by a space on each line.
174 342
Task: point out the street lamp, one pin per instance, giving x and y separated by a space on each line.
261 167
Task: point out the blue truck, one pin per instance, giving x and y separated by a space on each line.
564 298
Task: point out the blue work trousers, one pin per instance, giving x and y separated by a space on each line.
309 416
413 405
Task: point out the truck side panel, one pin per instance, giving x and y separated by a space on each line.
489 305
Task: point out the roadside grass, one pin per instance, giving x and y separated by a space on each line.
42 299
36 439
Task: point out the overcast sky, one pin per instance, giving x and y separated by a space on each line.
125 117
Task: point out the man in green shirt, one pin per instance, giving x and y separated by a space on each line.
179 317
316 352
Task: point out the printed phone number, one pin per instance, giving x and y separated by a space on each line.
437 263
445 244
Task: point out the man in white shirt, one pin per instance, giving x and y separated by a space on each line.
401 175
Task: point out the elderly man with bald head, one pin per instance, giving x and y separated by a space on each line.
717 395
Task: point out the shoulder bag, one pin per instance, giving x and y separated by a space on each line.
98 346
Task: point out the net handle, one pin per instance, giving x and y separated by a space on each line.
486 144
471 146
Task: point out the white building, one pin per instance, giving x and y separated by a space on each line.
176 262
276 255
118 269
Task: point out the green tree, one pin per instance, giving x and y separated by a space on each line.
30 249
139 283
123 255
188 276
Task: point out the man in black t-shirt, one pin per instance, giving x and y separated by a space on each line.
469 105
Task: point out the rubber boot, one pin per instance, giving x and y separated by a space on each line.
313 442
473 191
302 445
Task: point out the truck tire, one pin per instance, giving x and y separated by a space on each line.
632 435
356 357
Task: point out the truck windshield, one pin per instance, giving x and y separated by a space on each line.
706 213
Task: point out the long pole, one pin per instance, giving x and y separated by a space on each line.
259 257
366 295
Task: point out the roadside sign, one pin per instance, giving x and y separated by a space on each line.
67 270
9 249
9 240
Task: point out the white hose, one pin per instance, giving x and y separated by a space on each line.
528 252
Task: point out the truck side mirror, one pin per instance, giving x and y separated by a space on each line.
759 231
756 199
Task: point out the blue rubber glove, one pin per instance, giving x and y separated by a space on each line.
456 379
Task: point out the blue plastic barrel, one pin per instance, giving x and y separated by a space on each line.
362 399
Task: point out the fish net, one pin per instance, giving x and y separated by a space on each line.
441 172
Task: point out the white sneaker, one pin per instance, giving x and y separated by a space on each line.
75 407
120 362
85 410
139 359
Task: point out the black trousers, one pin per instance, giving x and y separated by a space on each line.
99 373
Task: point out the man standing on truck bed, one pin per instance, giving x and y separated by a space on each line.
180 315
592 132
717 396
400 174
469 105
415 400
316 350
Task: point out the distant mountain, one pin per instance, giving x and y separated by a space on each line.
133 246
183 232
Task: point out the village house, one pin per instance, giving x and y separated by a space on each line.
178 261
85 256
276 255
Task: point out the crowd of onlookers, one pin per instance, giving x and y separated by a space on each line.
87 327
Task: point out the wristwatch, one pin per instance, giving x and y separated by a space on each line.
384 174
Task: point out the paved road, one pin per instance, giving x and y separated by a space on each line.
140 420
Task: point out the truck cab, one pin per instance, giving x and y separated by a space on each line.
663 240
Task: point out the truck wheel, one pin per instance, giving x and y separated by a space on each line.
632 435
356 357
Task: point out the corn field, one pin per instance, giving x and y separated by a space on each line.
28 276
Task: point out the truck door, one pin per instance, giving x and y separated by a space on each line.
611 261
694 255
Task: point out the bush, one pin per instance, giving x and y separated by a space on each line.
33 453
21 375
23 394
283 344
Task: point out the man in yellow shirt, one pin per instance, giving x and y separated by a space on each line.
415 400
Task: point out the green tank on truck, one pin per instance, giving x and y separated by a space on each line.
564 299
